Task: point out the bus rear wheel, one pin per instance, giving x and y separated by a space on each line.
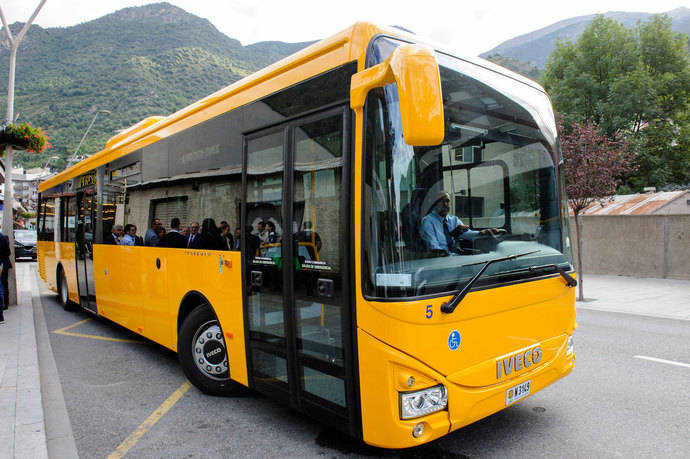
203 354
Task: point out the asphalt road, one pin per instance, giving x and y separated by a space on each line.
613 404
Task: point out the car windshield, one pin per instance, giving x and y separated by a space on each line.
434 214
25 236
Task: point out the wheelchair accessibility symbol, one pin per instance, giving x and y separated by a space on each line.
454 340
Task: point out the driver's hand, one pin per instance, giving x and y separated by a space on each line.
458 230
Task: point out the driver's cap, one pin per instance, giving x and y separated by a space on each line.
441 195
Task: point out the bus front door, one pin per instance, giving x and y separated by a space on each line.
86 208
296 294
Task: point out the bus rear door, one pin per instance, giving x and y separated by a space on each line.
86 208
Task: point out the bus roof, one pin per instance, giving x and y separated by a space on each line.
346 46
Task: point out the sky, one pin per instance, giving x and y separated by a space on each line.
468 27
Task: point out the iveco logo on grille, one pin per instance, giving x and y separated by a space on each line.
517 362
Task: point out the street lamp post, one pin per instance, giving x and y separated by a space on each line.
74 155
7 216
48 161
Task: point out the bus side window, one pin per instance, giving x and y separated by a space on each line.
68 218
46 223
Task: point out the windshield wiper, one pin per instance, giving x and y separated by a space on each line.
570 282
449 307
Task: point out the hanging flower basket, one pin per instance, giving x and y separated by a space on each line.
23 137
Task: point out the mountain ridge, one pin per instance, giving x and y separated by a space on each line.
165 57
535 47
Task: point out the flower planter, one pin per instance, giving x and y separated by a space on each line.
23 137
9 140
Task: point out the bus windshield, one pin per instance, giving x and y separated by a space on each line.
433 215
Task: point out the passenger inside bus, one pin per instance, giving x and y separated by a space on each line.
225 235
130 237
210 236
238 239
273 236
173 238
193 238
114 236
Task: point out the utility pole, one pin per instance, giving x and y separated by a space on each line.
7 217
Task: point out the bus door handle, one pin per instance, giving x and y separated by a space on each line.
257 278
325 288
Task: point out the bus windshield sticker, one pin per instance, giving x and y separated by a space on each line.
394 280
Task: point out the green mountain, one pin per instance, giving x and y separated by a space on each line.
535 47
136 62
517 66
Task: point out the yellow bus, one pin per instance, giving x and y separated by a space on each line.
401 264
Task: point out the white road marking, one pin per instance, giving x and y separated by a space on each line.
670 362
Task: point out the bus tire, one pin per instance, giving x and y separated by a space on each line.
63 292
203 355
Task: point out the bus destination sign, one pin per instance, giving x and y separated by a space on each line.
87 180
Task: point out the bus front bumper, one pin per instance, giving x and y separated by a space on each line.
385 373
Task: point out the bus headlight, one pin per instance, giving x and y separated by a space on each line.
570 347
421 402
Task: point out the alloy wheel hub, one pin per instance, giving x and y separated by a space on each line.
209 351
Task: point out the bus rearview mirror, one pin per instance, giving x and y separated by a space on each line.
414 69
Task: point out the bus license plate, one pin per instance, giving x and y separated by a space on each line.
518 392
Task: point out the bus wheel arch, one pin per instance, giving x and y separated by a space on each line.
201 347
190 301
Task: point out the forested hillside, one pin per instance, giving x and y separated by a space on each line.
136 62
518 66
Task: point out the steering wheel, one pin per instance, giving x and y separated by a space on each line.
498 233
489 241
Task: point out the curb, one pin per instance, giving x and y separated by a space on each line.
58 429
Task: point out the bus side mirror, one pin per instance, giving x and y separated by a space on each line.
415 70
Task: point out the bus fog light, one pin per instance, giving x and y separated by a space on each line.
570 348
421 402
418 430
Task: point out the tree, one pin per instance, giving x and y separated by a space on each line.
578 76
632 83
594 166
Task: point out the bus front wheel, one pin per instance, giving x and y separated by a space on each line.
63 292
203 354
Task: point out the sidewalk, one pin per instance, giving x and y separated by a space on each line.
22 427
666 298
33 416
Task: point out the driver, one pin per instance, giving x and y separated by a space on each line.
440 230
